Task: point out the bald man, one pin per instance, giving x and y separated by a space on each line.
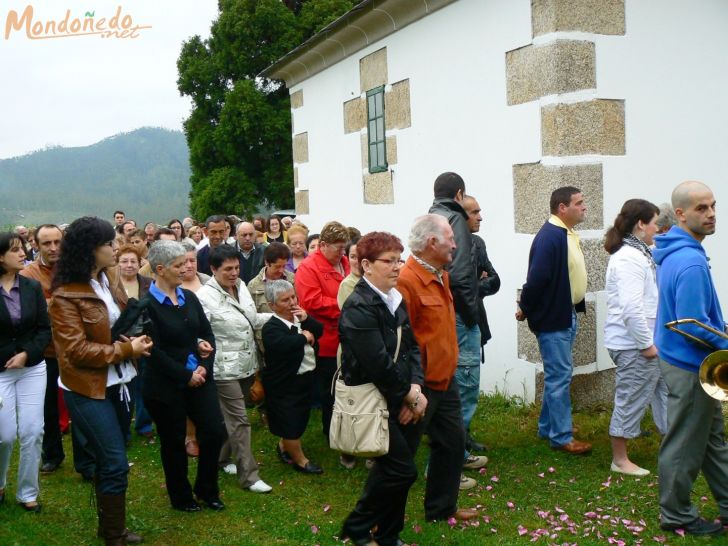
695 436
251 253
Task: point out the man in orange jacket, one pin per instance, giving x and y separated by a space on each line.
425 287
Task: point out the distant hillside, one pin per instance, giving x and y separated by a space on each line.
144 173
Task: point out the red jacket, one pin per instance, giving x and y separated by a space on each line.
317 285
432 315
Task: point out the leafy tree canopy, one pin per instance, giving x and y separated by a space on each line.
239 130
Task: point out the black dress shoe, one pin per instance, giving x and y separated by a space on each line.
472 445
698 526
309 468
35 508
49 467
214 504
190 506
283 455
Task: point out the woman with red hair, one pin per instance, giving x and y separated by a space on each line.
378 347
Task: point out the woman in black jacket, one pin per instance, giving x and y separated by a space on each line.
178 380
378 347
289 339
25 331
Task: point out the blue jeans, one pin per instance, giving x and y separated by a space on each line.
98 421
467 374
555 420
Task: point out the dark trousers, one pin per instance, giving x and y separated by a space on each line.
52 437
443 423
201 405
324 375
695 441
97 420
142 420
384 499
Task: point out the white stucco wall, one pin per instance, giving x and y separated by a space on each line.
670 68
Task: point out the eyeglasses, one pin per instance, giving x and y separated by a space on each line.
390 263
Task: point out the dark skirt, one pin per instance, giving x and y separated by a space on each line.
288 405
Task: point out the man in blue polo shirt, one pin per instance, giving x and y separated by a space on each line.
554 290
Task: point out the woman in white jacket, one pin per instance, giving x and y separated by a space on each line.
232 315
628 333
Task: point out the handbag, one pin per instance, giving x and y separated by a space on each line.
360 418
257 393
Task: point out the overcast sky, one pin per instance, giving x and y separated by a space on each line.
78 90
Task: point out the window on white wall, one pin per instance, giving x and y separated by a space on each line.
375 130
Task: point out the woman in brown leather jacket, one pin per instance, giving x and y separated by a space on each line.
94 370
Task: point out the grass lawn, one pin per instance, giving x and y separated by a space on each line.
527 493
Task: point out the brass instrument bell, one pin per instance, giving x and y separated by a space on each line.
713 373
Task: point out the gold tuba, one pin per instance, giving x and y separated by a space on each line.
713 373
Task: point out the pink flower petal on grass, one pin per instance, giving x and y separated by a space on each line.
494 479
510 505
540 474
522 530
417 529
680 532
314 529
552 469
451 522
327 507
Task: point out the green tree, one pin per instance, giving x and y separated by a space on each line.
239 129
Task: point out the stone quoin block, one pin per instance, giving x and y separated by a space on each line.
559 67
378 188
355 115
297 99
585 345
373 70
302 202
596 259
533 184
397 113
595 16
391 150
295 178
300 148
589 391
589 127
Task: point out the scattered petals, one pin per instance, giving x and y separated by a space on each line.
327 507
510 505
314 529
452 522
522 530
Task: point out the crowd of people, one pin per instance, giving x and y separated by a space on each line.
179 329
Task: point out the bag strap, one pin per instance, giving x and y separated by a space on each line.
337 374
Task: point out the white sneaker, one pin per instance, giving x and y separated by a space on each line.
230 468
466 483
260 487
474 462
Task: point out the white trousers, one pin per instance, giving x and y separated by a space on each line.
21 416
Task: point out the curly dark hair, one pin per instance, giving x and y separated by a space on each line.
81 239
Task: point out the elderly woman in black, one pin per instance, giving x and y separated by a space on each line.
378 347
24 333
289 339
178 380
